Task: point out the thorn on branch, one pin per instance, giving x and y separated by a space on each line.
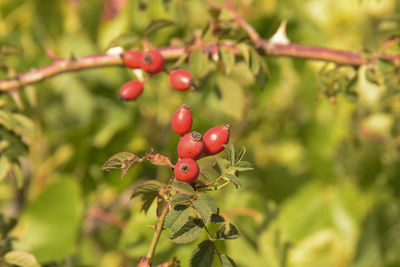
52 55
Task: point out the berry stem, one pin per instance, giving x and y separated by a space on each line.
157 232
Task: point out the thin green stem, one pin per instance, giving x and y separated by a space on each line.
217 179
157 232
224 184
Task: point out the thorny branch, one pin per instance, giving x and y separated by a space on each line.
267 47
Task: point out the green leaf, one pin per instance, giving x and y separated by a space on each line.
26 128
52 221
207 176
262 75
230 233
227 261
203 254
189 231
244 50
21 258
183 188
197 62
243 166
18 174
147 191
206 206
254 61
231 153
156 25
221 164
234 179
239 155
228 60
180 199
4 167
177 217
125 40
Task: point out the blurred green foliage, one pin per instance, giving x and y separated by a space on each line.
325 190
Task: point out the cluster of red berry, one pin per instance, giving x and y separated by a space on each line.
152 62
193 146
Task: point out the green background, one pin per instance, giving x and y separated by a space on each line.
325 189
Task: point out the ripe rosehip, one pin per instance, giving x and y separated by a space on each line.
215 139
152 62
131 90
181 121
186 170
191 145
181 80
133 59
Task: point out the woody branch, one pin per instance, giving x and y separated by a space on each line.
268 48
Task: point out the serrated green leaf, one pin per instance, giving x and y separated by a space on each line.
203 254
221 164
189 231
177 217
244 51
206 206
7 120
21 258
125 40
254 61
26 128
230 149
234 179
239 155
183 188
147 191
180 199
227 261
243 166
156 25
207 176
4 167
18 124
230 233
228 60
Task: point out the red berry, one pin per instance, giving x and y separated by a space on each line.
152 62
191 145
131 90
133 59
186 170
181 80
215 139
181 121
